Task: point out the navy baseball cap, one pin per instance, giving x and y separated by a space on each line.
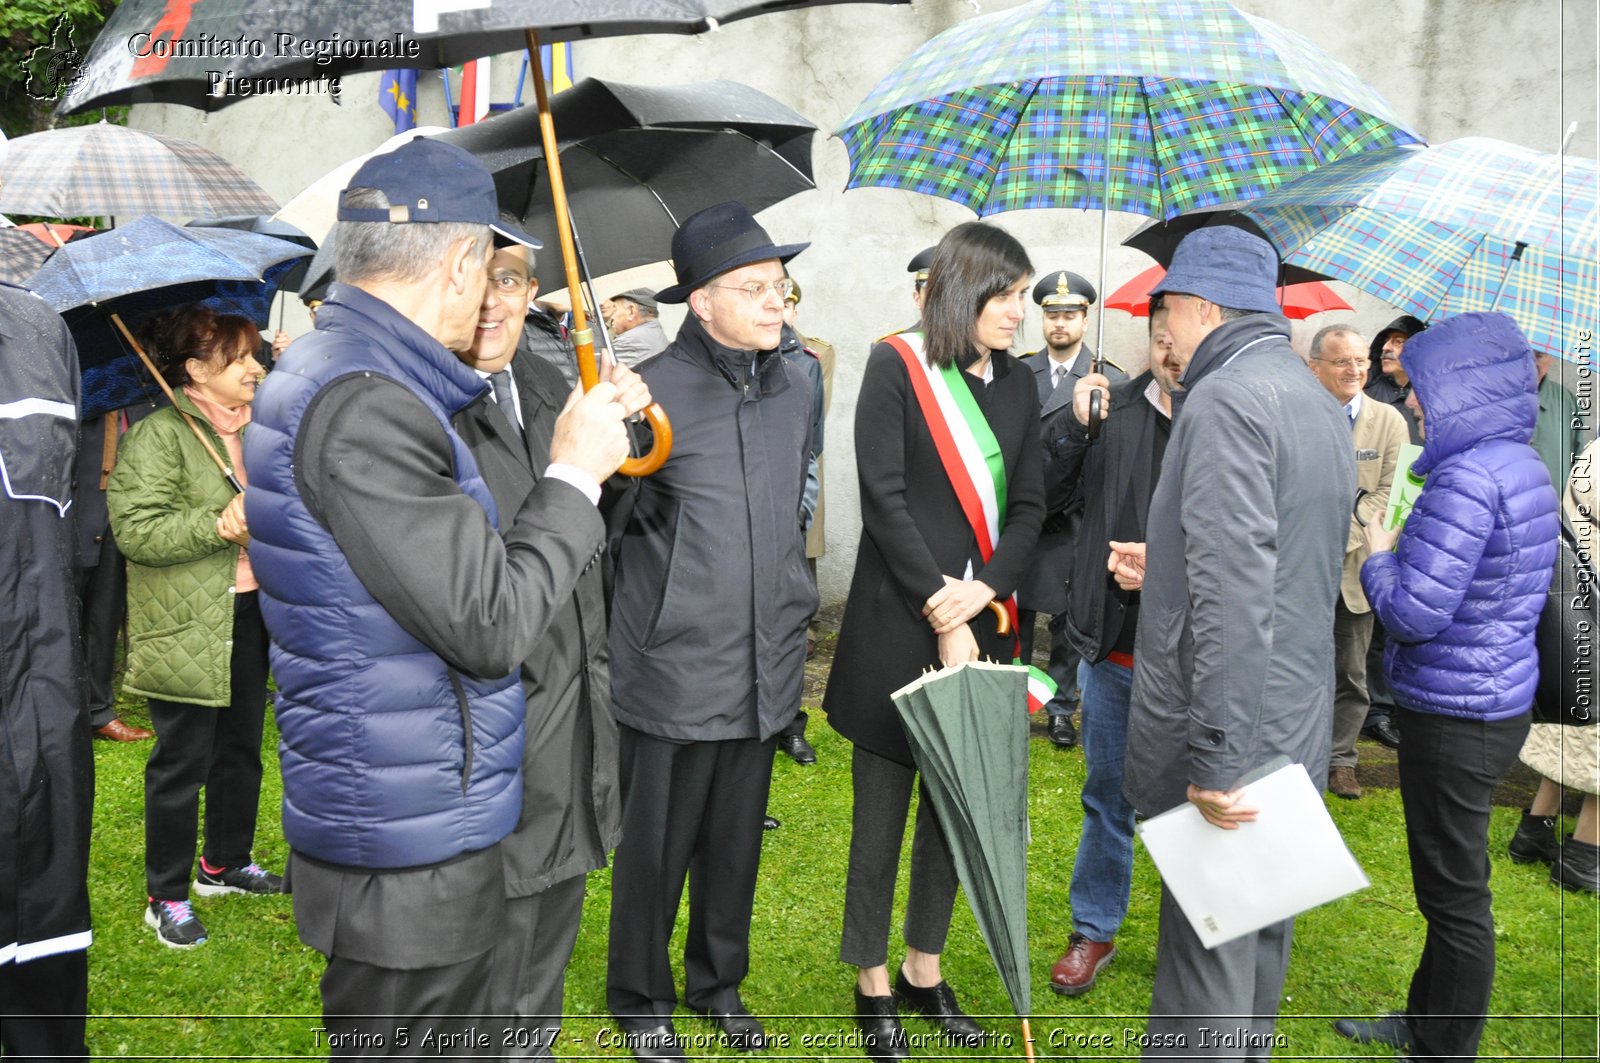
1225 265
426 180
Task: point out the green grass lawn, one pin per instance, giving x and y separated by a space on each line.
251 991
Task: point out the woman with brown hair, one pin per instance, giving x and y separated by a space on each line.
197 647
925 574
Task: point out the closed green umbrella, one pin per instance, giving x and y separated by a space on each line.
968 731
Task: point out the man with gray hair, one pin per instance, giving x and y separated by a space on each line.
636 331
1339 359
398 612
1240 568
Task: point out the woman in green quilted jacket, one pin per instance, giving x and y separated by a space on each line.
197 648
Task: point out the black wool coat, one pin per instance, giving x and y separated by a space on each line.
913 534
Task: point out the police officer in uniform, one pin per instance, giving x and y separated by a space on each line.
1065 298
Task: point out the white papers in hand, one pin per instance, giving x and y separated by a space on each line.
1231 882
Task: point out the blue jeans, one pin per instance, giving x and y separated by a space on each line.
1102 874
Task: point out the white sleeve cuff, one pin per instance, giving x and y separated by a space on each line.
577 478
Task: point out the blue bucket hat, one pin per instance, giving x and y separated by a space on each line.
426 180
716 240
1225 265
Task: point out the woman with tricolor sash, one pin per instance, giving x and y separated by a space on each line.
952 497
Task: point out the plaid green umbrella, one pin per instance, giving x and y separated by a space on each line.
21 253
1118 104
968 731
1474 224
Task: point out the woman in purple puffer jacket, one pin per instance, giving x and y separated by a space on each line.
1460 597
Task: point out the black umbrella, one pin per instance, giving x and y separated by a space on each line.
294 39
1159 239
639 159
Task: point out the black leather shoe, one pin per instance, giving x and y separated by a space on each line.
880 1027
741 1030
659 1044
1383 731
768 823
1061 731
1391 1029
798 748
938 1003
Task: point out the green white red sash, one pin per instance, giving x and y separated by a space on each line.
966 444
1041 688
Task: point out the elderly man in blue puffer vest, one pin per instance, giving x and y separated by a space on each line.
1460 598
398 613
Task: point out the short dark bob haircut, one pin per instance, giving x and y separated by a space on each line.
972 264
194 331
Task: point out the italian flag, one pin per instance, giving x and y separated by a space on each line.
1041 688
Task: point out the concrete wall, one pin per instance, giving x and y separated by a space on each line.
1519 70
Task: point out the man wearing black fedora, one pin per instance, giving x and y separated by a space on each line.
709 614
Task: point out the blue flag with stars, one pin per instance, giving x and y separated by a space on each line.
397 95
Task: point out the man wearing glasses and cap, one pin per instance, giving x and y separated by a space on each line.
1065 298
400 601
708 633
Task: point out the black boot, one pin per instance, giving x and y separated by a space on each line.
938 1003
880 1026
1535 840
1577 866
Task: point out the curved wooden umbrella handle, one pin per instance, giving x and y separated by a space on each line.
1002 620
660 450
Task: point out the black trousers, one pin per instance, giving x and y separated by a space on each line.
1380 698
690 810
1449 768
102 601
882 796
384 1012
42 1006
218 748
530 966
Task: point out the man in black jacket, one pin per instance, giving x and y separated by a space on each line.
708 633
571 808
1116 472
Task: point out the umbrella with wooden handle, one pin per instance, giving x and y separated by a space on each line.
582 334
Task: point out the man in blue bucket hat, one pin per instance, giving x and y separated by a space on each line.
1246 536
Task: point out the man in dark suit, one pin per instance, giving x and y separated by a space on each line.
1064 359
571 807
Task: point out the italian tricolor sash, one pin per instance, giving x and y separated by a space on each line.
967 447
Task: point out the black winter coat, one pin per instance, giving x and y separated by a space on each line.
712 596
1113 469
46 771
571 805
913 534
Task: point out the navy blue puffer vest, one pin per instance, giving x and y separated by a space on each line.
390 757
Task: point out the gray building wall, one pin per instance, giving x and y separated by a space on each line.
1519 70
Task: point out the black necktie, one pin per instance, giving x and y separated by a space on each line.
501 383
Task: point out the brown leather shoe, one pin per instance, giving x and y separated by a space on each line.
1342 783
1076 970
117 731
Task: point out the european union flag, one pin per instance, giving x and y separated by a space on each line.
397 95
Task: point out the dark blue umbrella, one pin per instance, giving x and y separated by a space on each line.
150 265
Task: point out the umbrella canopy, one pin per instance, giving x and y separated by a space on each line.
404 34
315 208
1296 301
21 253
149 265
105 170
266 225
639 159
1160 237
1438 231
1124 105
968 731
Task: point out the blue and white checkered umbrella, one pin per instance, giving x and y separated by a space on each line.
1449 229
